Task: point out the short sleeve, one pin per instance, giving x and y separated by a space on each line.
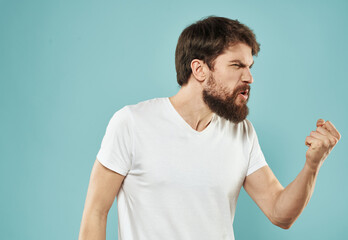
116 150
256 157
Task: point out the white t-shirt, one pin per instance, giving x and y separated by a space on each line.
180 184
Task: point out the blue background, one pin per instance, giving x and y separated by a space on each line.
67 66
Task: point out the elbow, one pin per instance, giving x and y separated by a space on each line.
282 220
284 224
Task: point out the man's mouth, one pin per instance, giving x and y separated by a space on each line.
244 94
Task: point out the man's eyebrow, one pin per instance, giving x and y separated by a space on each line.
241 63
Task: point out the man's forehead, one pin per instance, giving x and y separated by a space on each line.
238 52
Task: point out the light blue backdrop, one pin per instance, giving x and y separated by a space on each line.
67 66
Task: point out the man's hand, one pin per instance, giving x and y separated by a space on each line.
320 143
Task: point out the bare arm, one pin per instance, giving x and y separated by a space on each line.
281 205
103 187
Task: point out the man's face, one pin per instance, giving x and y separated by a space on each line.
231 76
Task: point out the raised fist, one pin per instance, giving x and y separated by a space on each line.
320 143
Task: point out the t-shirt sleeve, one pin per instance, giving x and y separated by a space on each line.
257 159
116 150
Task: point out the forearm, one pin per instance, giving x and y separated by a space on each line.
93 226
294 198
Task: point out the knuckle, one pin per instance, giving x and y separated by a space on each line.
321 143
331 141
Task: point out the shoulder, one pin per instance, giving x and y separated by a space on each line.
147 109
145 105
120 118
244 129
249 127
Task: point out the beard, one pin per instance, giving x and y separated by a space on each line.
229 106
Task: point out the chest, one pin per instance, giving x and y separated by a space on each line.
178 161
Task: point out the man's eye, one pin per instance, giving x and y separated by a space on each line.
236 65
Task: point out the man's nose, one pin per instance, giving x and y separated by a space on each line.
247 77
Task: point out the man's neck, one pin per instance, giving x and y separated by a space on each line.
188 102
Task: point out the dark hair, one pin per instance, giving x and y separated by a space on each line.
206 39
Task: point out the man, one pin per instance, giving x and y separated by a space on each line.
177 164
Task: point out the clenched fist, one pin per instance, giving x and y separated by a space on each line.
320 143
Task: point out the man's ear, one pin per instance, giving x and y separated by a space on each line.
199 69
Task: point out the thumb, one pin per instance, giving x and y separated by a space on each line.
320 122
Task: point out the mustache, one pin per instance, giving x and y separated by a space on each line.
243 88
237 91
240 89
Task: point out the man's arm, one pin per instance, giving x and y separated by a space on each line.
103 187
282 205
